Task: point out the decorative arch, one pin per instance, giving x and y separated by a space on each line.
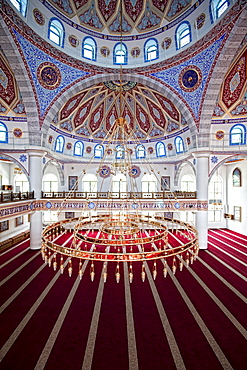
19 164
224 60
22 79
144 80
179 169
232 158
55 163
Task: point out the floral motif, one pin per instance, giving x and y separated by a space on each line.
108 151
88 149
214 159
105 171
166 43
199 22
150 150
188 140
17 132
219 134
105 51
134 172
50 138
23 158
69 146
169 146
39 17
135 52
73 40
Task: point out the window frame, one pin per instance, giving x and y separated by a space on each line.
176 144
143 149
239 176
81 148
93 45
125 56
22 8
122 151
4 132
152 42
62 143
182 27
61 32
99 147
157 149
243 134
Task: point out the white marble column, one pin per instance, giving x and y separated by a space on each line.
202 171
35 172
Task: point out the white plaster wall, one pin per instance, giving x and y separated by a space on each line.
237 196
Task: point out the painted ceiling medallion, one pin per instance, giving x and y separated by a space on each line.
48 75
166 43
39 17
190 78
219 134
73 40
17 132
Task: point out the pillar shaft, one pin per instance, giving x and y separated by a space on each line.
35 172
202 170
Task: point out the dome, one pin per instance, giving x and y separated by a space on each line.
91 112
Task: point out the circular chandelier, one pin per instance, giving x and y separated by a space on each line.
125 235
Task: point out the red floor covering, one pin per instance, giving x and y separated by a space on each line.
171 319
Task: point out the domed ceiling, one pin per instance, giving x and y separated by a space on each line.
93 111
138 15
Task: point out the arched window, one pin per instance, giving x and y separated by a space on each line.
59 144
140 151
3 133
160 149
21 183
236 177
119 183
120 54
183 35
50 183
89 183
188 183
215 198
89 48
78 148
119 152
20 5
221 6
151 50
238 135
98 151
56 32
179 144
149 183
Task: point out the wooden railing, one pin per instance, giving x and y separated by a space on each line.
15 197
14 240
119 195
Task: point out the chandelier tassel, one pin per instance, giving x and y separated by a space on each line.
70 269
80 270
92 273
61 265
187 259
143 273
131 275
165 269
117 274
174 266
55 263
154 271
181 265
104 273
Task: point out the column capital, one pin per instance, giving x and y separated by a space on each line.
201 154
36 153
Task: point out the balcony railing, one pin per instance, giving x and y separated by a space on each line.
119 195
15 197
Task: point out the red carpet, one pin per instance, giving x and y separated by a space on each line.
193 320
